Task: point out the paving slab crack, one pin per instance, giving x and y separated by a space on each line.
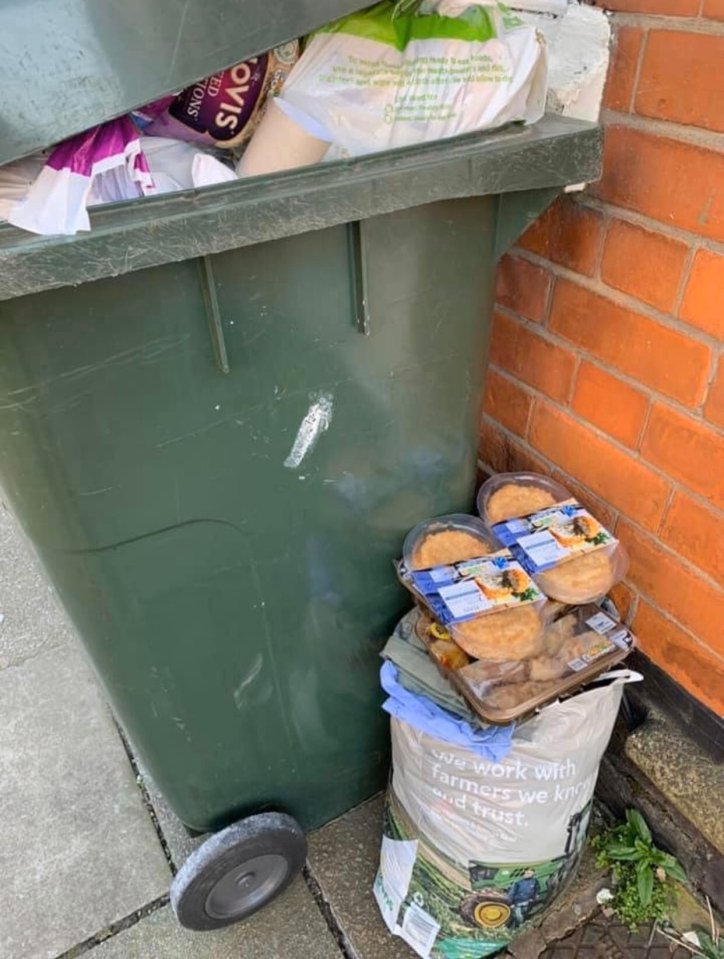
343 943
115 927
146 799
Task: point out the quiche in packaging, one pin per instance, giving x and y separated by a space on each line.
569 554
446 539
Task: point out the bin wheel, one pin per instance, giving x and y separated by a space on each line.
238 871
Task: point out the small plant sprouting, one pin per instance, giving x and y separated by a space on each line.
640 871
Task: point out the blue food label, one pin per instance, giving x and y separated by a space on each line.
461 591
552 536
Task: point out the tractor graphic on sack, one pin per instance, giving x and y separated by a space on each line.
506 896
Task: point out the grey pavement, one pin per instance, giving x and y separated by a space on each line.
78 850
85 866
290 927
343 859
32 620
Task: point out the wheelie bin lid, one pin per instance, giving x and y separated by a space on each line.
522 169
79 64
68 65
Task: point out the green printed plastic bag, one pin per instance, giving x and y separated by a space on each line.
398 74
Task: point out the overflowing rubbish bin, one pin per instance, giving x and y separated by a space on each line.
220 411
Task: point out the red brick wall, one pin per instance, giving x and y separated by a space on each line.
606 362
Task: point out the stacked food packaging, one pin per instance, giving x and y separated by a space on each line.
514 600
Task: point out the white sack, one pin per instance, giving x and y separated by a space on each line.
473 848
385 77
177 165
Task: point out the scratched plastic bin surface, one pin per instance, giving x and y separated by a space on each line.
224 542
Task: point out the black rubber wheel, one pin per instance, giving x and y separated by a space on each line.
238 871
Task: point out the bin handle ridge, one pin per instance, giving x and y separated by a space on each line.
358 270
213 314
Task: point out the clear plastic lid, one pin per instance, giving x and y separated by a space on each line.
511 634
447 539
507 495
585 578
581 643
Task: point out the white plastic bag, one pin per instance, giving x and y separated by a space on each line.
105 161
176 165
390 77
16 179
472 848
112 162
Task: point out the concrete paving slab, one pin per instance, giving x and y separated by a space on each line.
343 859
691 781
32 619
289 928
77 849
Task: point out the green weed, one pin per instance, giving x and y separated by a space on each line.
640 870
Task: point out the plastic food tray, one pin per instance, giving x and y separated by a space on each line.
571 589
458 522
491 486
503 692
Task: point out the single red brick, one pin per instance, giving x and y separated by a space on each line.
610 404
624 598
682 79
616 477
674 587
678 653
507 402
646 350
669 180
536 361
670 8
647 265
523 287
567 233
687 450
603 511
502 454
714 409
622 69
696 532
521 459
713 9
703 303
491 446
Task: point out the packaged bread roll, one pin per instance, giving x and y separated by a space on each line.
581 643
279 143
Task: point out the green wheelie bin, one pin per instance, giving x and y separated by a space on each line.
221 410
